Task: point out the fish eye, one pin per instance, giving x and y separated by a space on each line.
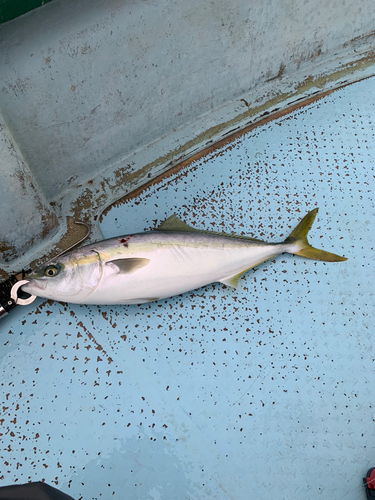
51 271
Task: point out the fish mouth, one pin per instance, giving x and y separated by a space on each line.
35 283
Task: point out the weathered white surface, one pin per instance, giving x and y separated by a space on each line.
85 84
264 392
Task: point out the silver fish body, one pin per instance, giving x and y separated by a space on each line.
148 266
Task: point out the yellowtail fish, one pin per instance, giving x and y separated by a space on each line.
149 266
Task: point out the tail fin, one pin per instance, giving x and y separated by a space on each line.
299 236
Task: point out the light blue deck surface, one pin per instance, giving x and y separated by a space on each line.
262 392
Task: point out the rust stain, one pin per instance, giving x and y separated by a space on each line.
368 37
279 74
313 54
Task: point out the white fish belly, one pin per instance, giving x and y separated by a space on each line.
177 269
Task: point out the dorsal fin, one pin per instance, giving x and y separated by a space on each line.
173 223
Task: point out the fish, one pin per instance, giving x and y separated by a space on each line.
171 260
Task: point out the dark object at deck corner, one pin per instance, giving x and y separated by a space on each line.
369 484
32 491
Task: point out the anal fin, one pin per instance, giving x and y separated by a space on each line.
233 280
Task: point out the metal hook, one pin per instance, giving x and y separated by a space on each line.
14 296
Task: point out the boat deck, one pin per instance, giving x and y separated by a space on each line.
262 392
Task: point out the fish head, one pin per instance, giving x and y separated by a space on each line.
69 278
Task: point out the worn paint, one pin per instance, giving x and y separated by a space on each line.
219 392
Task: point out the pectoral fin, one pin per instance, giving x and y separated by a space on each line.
127 266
